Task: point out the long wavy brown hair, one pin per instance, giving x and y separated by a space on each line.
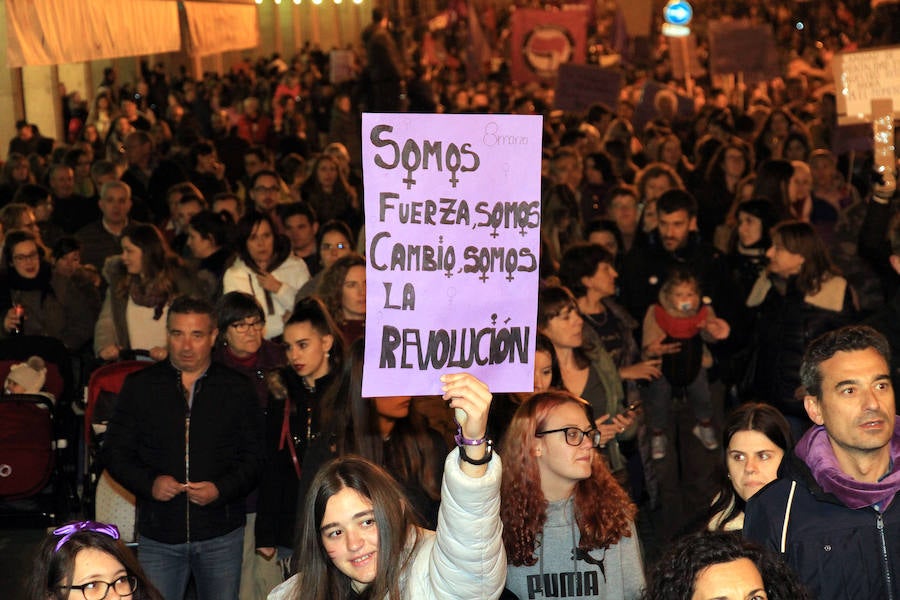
603 511
156 284
331 287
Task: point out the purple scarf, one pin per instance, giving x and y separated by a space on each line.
815 450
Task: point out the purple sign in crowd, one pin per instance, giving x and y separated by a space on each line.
453 218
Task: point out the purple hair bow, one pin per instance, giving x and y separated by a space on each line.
67 531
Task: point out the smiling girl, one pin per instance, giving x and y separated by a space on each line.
390 432
360 537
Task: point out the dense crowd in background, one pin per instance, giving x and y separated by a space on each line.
687 259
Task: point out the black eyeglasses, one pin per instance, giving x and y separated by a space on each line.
574 436
244 326
125 585
261 189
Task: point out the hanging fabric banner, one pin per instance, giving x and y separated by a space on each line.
214 27
48 32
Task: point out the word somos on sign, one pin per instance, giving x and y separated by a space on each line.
422 155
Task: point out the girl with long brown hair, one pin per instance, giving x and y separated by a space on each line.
360 538
143 281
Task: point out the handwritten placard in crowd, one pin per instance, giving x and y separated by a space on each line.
740 46
453 212
579 86
861 77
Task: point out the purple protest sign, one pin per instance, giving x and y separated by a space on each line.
453 213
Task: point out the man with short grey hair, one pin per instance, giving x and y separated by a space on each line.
833 513
183 439
103 238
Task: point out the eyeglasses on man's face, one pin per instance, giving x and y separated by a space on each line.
97 590
262 189
574 436
245 326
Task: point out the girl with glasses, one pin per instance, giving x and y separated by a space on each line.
86 560
568 527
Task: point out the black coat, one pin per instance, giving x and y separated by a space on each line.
887 322
276 510
147 437
783 326
836 551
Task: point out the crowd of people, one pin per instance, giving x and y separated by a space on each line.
712 414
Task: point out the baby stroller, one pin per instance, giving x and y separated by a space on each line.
104 497
34 488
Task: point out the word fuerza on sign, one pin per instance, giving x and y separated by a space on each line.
452 211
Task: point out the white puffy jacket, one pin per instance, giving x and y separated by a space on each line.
464 559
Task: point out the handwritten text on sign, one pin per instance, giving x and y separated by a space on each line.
453 212
863 77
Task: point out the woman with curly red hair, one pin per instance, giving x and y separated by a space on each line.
568 527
